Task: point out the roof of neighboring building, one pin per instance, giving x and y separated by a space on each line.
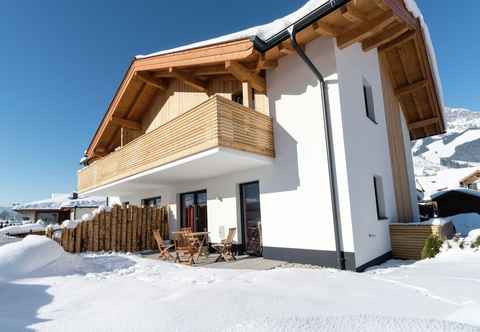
470 178
458 190
62 202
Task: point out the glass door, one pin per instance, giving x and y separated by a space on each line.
194 210
251 217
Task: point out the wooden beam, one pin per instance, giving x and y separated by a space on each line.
422 123
285 50
399 41
265 64
352 14
325 29
247 95
124 123
384 37
244 75
365 30
406 89
399 10
189 80
151 80
381 4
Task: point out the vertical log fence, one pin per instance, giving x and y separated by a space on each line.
126 229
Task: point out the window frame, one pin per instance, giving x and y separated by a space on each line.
368 101
379 195
145 200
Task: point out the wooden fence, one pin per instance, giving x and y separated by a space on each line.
121 229
408 239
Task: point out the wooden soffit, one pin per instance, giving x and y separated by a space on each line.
385 25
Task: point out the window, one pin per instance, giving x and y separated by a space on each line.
238 97
368 98
152 202
379 197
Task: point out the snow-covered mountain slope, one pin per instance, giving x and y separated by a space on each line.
8 214
458 148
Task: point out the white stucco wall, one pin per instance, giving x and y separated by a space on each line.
294 189
366 150
295 195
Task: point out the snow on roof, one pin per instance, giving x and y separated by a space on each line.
63 202
413 8
461 190
263 32
268 30
444 179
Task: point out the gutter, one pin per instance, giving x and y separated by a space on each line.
325 9
291 32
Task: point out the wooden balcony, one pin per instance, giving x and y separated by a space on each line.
217 122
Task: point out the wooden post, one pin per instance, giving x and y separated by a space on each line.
90 235
114 228
78 238
108 231
96 223
247 93
129 230
123 233
143 229
101 232
149 227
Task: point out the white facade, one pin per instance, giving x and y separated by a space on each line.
294 186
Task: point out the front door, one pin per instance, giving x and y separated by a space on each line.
251 217
194 210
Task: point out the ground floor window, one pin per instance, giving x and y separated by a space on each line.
251 217
193 212
48 217
152 202
379 197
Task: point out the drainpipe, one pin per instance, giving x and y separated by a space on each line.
327 124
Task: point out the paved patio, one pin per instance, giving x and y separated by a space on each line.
243 262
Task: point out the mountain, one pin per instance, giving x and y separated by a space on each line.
458 148
8 214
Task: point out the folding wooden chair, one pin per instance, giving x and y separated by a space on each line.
164 249
224 248
184 248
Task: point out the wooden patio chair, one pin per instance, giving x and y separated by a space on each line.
164 249
224 248
185 250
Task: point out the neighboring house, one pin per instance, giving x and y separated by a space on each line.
471 181
445 179
457 201
59 207
234 132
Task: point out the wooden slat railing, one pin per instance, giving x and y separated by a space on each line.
217 122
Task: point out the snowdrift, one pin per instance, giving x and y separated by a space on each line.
22 229
32 253
464 223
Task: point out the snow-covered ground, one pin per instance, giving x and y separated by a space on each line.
45 289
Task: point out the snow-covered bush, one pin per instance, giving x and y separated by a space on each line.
432 246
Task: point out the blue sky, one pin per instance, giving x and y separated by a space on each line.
63 60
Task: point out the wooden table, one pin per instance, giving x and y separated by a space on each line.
197 241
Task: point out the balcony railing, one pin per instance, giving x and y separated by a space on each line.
217 122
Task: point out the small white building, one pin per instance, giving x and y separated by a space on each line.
235 132
59 207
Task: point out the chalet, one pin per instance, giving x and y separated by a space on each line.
296 132
472 180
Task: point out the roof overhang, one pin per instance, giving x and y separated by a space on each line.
385 25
